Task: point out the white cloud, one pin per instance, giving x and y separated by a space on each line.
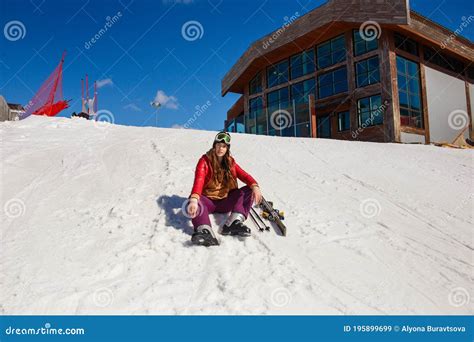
166 101
104 82
133 107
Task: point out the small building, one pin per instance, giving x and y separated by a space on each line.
356 70
17 111
10 111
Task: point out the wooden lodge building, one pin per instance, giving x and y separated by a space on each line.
359 70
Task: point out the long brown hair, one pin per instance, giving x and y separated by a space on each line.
221 171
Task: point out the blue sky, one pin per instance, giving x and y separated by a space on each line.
144 51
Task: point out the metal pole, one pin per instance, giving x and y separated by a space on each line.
87 93
82 94
294 116
266 117
96 105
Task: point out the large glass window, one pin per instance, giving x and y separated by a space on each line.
300 99
255 111
229 125
343 121
302 64
323 126
333 82
370 111
470 72
331 52
255 85
278 98
255 104
235 125
362 45
406 44
409 93
443 60
277 74
367 71
278 107
300 91
239 124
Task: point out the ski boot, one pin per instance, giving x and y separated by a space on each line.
204 236
237 227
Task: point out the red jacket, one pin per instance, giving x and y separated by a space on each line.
203 175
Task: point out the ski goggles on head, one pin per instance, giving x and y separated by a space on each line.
223 137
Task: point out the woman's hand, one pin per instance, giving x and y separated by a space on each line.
192 207
256 194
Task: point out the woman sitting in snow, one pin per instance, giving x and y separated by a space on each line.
215 189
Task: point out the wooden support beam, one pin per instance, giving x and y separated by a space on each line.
395 103
387 86
424 98
469 109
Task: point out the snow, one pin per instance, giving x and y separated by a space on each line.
92 224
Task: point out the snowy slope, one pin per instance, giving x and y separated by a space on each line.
91 224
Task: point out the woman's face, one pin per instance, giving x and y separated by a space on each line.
220 149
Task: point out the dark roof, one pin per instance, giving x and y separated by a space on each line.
444 28
392 13
15 106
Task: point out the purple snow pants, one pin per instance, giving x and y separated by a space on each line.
238 200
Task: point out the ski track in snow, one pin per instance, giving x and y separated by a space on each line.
101 229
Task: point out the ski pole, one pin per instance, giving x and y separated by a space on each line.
260 219
255 221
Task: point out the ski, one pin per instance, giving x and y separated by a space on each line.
273 215
266 214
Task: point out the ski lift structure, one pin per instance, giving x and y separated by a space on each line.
88 104
156 105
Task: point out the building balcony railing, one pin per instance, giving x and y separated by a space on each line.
281 119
